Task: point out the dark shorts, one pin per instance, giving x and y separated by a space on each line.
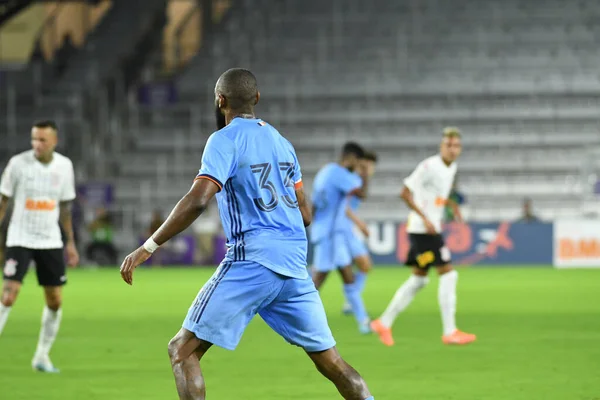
427 251
49 265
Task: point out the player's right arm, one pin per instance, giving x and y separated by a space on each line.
411 183
350 184
219 163
7 187
361 193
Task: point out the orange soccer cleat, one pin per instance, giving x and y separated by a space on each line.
385 333
458 337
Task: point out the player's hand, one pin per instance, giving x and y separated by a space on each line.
72 255
458 217
430 228
131 262
364 229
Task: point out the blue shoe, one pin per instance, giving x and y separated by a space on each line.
347 309
365 328
44 365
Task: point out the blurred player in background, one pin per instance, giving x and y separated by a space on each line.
41 183
332 186
426 193
356 245
255 174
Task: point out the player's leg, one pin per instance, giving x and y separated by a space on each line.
319 277
447 301
219 315
298 315
354 296
362 260
185 352
346 379
401 300
420 258
10 292
352 290
322 261
14 271
51 273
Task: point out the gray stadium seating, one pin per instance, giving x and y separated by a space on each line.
519 80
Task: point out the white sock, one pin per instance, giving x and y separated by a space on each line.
50 324
447 299
4 311
402 298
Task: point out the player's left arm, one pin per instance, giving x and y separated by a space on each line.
3 207
66 222
66 198
455 209
306 208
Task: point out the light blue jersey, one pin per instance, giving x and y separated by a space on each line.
331 186
343 222
264 270
257 170
356 245
354 202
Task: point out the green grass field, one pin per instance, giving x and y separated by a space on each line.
539 338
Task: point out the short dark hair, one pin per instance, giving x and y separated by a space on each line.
46 123
239 87
370 156
353 148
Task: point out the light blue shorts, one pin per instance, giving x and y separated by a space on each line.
331 253
356 246
237 291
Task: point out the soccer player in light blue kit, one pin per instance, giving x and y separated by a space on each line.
356 246
256 177
332 187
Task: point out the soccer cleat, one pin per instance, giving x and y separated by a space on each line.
365 327
459 338
44 365
347 309
385 333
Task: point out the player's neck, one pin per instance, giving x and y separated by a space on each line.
448 163
45 159
344 164
247 114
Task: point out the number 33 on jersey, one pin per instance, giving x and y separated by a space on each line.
257 172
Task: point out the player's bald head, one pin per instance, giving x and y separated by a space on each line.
239 89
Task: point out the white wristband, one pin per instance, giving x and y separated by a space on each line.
150 245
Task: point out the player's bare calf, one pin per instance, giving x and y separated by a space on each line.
345 378
185 352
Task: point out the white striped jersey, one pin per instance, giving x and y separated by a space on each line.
37 190
430 184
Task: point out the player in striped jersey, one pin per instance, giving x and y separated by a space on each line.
41 184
